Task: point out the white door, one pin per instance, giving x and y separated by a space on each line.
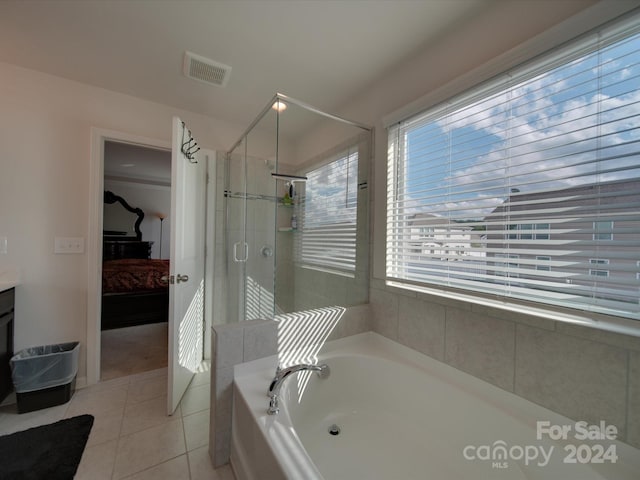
186 291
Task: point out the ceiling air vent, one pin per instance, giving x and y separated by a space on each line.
205 70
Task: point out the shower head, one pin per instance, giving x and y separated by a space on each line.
290 178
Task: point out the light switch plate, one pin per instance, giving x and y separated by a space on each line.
68 245
3 244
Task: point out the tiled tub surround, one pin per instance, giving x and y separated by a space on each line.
401 414
232 344
241 342
582 373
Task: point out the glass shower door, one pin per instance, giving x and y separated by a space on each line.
236 242
260 266
250 240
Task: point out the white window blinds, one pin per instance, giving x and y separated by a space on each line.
328 210
512 190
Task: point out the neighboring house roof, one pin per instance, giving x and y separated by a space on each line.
427 219
584 195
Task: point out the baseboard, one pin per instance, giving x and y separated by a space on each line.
81 382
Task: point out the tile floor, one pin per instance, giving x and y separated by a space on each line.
132 437
130 350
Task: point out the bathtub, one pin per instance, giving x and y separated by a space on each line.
388 412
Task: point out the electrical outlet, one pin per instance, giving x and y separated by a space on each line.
68 245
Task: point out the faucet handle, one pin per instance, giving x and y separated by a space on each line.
324 371
273 406
273 382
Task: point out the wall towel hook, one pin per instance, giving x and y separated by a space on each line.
190 147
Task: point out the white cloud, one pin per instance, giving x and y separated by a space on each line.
547 144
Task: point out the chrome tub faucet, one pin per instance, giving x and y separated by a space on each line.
283 373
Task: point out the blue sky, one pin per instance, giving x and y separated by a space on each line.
330 189
541 131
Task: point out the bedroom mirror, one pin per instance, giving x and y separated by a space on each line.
121 219
296 214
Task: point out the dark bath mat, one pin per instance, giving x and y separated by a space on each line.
50 452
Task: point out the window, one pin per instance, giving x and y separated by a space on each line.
329 215
427 232
598 272
603 230
541 260
504 268
541 164
529 232
541 231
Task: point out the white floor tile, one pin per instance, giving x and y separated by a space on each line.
142 450
105 385
106 426
174 469
147 388
196 429
97 462
159 372
195 399
201 378
143 415
11 421
98 402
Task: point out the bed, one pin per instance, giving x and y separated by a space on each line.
134 286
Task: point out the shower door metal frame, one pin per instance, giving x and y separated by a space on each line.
306 106
277 97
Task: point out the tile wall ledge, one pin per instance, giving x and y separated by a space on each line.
615 331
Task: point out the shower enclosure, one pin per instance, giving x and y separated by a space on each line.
296 212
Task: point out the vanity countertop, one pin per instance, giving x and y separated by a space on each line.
9 279
7 284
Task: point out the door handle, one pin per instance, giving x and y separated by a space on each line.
182 278
174 278
235 252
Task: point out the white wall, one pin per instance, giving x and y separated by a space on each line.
45 139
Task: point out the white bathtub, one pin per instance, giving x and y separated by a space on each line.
403 415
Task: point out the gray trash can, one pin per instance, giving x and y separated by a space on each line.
45 376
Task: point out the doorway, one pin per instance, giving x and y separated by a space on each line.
95 240
135 259
100 138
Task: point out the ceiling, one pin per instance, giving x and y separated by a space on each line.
127 162
321 52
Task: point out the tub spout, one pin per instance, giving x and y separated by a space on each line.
283 373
